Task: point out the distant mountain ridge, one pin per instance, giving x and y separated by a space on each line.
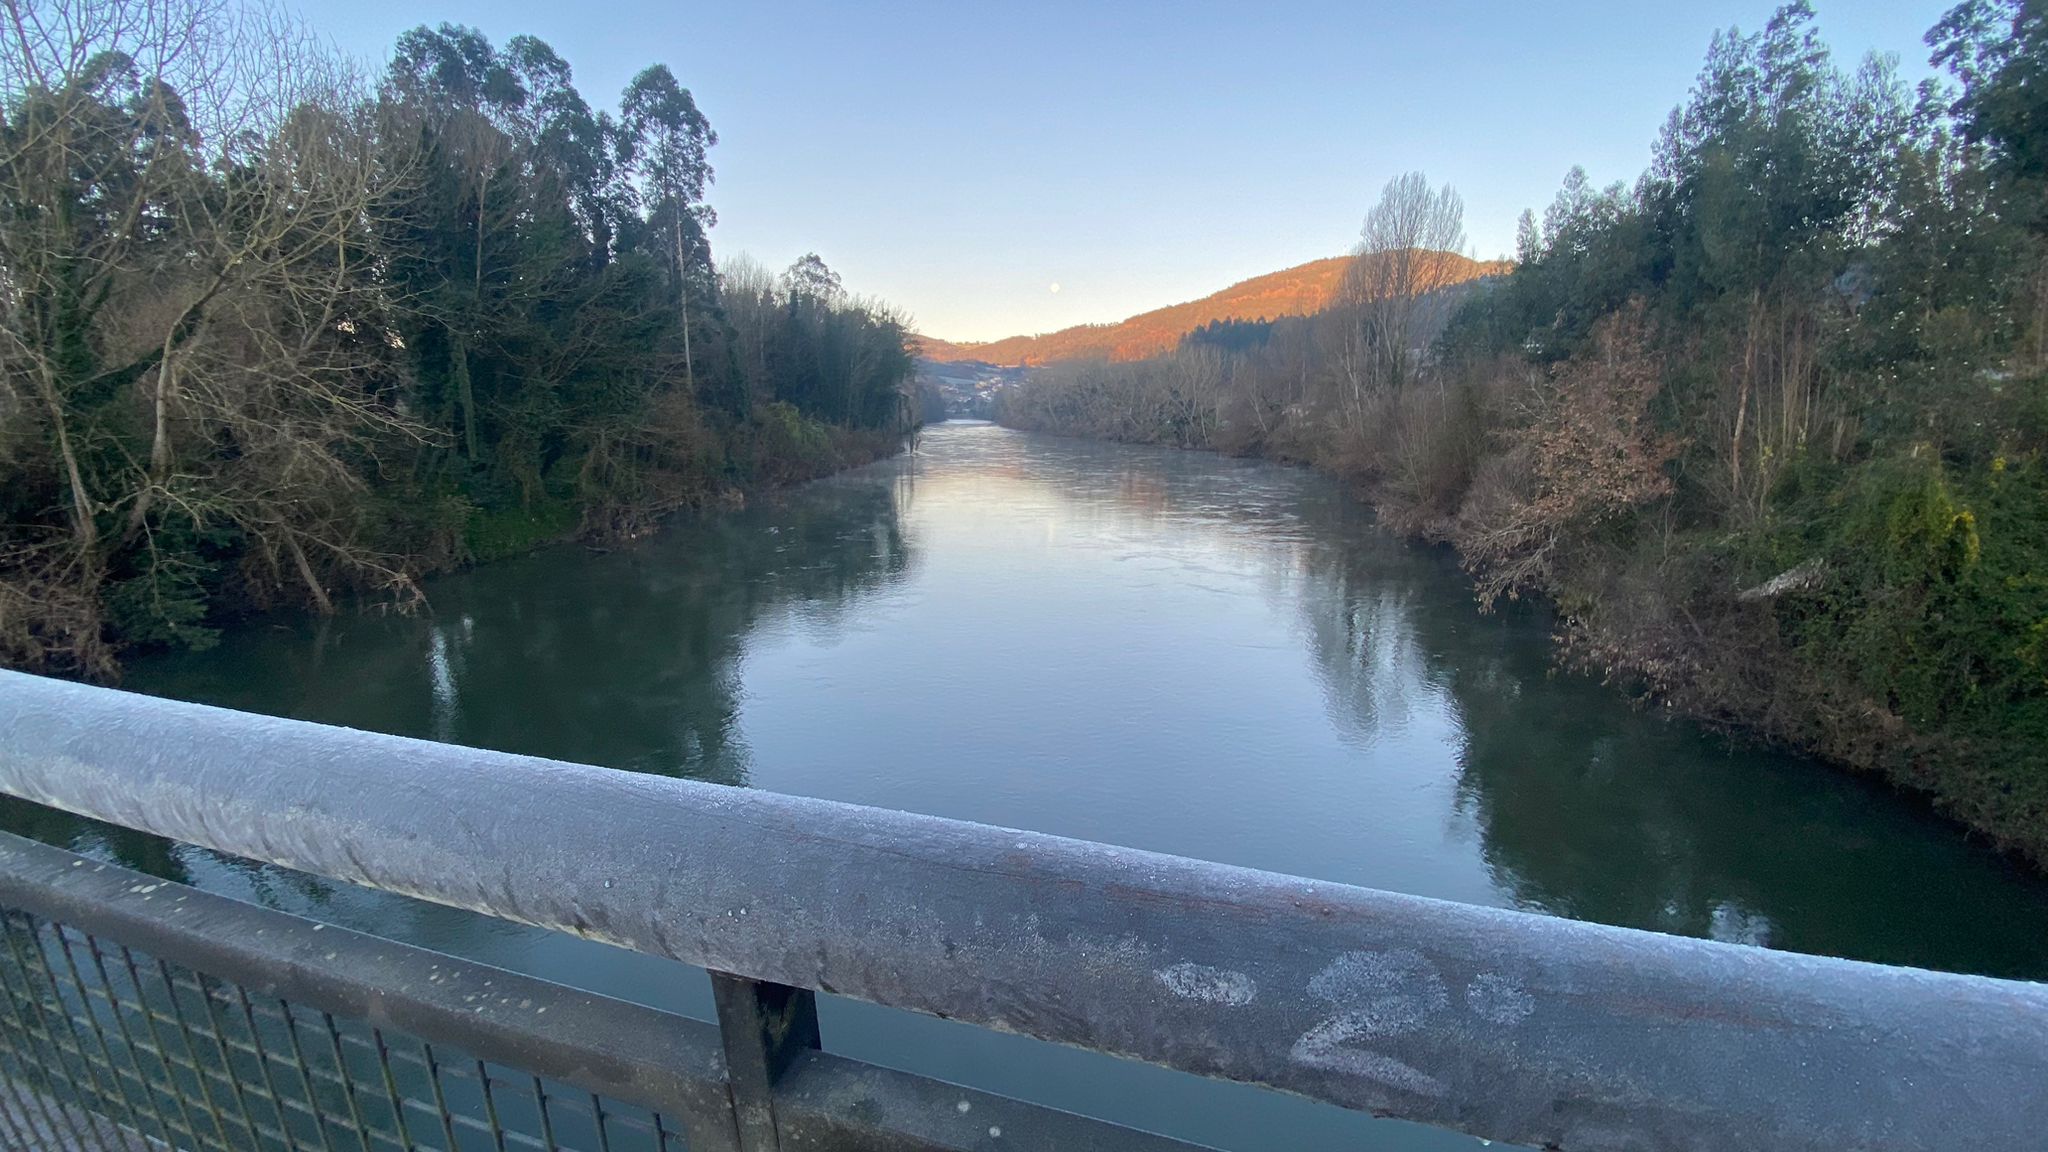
1296 291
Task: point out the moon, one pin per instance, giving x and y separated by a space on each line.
1054 288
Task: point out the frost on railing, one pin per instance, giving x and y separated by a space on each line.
1514 1027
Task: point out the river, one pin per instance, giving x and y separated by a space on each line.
1167 650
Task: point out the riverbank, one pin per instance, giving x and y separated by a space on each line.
1674 624
1179 651
1173 651
1655 610
422 534
415 323
812 454
1769 426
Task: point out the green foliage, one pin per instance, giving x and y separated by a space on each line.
493 534
1850 301
1998 51
782 445
1230 335
1935 600
1806 494
787 434
334 340
166 606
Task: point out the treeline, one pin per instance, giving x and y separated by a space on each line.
271 332
1767 426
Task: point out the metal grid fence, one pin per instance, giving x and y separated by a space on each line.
105 1047
138 1015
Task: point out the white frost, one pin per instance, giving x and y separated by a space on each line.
1191 981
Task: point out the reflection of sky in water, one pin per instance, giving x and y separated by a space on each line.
1125 646
1175 651
441 674
1172 651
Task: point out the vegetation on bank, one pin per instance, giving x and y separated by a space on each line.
271 332
1767 426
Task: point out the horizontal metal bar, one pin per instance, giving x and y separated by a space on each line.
826 1103
644 1056
34 1122
611 1047
1511 1026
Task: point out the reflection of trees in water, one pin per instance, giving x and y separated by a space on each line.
629 659
1361 632
1543 771
1592 815
1582 807
1588 808
1568 822
1361 594
1592 811
632 660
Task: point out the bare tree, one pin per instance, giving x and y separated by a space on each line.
751 296
188 192
1410 248
1193 380
291 357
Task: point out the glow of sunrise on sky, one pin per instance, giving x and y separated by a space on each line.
1004 169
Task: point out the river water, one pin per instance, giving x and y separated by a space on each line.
1172 651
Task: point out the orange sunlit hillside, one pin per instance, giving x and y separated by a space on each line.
1295 291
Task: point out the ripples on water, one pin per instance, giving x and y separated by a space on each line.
1172 651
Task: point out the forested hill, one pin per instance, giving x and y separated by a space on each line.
1298 291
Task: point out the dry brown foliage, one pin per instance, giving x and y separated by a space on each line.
1587 454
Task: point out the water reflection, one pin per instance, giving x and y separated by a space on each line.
628 659
1586 807
1602 814
1173 651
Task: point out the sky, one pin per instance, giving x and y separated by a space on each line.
960 159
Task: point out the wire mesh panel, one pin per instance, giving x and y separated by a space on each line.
138 1015
103 1047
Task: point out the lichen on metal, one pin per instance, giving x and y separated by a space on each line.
1507 1025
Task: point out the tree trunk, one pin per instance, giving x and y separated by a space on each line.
305 567
1742 403
683 305
83 530
160 439
465 394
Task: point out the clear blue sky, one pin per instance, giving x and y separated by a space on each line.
958 158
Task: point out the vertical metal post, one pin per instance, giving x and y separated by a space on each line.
765 1027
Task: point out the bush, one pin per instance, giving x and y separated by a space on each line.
1935 603
494 534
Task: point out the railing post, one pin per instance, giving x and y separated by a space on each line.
765 1027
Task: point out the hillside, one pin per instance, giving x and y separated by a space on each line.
1294 291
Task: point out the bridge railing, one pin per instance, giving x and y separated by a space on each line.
1514 1027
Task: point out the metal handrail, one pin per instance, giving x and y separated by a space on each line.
1506 1025
671 1065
